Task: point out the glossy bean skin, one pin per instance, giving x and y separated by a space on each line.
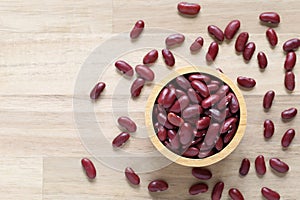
216 32
131 176
193 96
241 41
291 44
246 82
191 152
212 52
161 133
97 90
198 188
269 128
185 134
270 194
167 97
231 29
289 113
245 166
249 51
212 134
272 37
260 165
234 105
183 82
201 88
203 123
150 57
175 119
174 39
145 72
289 81
157 186
188 8
287 138
270 17
210 101
197 44
199 77
268 99
124 68
127 124
89 168
262 60
229 136
228 123
235 194
279 165
201 173
137 87
217 191
168 57
120 139
180 104
192 111
290 61
137 29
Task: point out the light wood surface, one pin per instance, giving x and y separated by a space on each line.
44 45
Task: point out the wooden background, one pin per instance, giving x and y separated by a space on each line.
43 47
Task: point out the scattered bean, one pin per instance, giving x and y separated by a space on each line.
268 128
168 57
137 87
197 44
262 60
287 138
246 82
120 139
198 188
137 29
157 186
188 8
245 166
290 61
145 72
131 176
235 194
174 39
272 37
216 32
231 29
201 173
241 41
289 113
268 99
150 57
249 51
270 17
97 90
124 68
291 44
260 165
127 124
278 165
217 191
212 52
89 168
289 80
269 194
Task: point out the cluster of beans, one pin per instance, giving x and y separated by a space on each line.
187 100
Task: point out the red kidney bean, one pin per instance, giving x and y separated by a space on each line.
289 113
168 57
175 143
161 133
272 37
241 41
137 87
231 133
201 173
137 29
262 60
175 119
228 124
216 32
192 111
227 112
278 165
203 123
188 8
260 165
219 144
217 191
245 166
180 104
249 51
185 134
215 82
212 52
194 97
145 72
290 61
131 176
201 88
150 57
179 92
198 188
210 101
246 82
269 17
200 77
120 139
223 90
234 105
127 123
124 68
162 119
224 102
197 44
183 82
288 137
158 186
212 87
268 128
89 168
289 80
217 115
97 90
171 134
174 39
231 29
268 99
212 134
191 152
162 96
269 194
235 194
166 99
291 44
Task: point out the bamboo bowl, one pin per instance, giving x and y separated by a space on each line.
195 162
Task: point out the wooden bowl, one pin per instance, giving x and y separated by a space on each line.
200 162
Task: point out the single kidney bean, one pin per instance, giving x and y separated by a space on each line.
241 41
161 133
260 165
137 29
201 173
185 134
278 165
235 194
231 29
194 97
200 77
145 72
183 82
120 139
175 143
127 123
212 134
174 39
169 98
216 32
197 44
219 144
269 17
162 119
158 186
162 96
137 87
150 57
124 68
131 176
223 90
289 80
188 8
89 168
168 57
262 60
97 90
291 44
210 101
198 188
180 104
229 136
268 99
191 152
246 82
192 111
249 51
268 128
212 87
175 119
216 114
290 61
245 166
179 93
171 134
269 194
203 123
201 88
234 105
217 191
272 37
288 137
289 113
228 124
212 52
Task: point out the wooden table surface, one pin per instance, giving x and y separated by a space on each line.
44 47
